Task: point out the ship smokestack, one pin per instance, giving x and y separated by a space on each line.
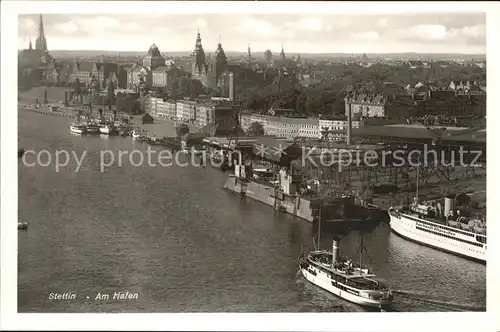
349 124
335 250
231 86
449 205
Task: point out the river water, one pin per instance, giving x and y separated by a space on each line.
183 244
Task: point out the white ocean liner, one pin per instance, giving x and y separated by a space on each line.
458 235
441 228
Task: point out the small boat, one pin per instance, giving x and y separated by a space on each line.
78 128
108 129
136 133
22 225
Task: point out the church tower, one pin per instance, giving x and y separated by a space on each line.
41 42
283 57
220 62
199 62
249 53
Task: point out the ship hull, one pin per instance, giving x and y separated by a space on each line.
263 193
321 280
335 215
407 228
77 130
106 130
92 130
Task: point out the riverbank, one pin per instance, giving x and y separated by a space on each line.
462 181
160 127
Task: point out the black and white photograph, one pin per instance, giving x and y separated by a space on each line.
252 157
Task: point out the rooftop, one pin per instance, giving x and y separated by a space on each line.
421 132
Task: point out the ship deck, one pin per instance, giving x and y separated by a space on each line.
442 222
416 215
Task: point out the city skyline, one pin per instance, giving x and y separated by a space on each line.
392 33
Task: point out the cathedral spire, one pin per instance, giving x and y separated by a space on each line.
41 41
282 53
198 56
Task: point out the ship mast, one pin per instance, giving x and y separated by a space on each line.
319 228
418 171
361 254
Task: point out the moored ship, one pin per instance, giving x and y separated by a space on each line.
78 128
282 190
92 127
445 229
136 133
107 128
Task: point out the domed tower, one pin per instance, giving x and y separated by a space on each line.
199 63
154 58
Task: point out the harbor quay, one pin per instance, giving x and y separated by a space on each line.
363 167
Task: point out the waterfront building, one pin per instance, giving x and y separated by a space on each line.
186 110
368 105
103 72
165 109
291 127
83 71
247 118
138 74
205 113
162 77
222 113
334 129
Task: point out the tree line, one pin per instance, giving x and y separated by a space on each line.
326 95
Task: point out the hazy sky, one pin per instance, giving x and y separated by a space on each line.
432 33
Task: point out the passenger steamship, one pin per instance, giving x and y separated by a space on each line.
445 230
340 277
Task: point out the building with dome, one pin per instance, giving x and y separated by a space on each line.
155 72
36 63
154 58
142 75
